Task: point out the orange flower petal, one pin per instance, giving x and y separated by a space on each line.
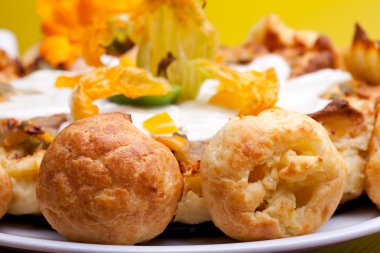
251 91
67 81
73 19
226 99
44 8
266 96
58 50
93 44
50 27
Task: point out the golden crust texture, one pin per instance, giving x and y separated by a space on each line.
372 172
350 130
104 181
363 58
271 176
5 192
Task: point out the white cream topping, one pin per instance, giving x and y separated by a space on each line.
36 96
197 119
8 43
302 94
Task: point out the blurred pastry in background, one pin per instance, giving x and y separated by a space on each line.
360 132
350 130
10 67
22 146
363 58
305 51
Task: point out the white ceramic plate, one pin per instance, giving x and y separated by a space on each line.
357 220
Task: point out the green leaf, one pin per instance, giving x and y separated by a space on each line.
170 98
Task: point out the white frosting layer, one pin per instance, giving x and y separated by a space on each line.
197 119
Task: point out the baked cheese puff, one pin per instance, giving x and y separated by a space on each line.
103 181
271 176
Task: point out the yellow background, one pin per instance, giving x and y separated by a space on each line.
233 18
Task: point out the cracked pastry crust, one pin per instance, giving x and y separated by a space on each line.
271 176
104 181
350 130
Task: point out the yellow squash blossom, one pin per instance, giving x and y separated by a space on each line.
108 37
70 82
64 52
251 92
159 28
174 33
67 22
105 82
178 27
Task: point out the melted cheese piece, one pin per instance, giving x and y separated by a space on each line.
197 119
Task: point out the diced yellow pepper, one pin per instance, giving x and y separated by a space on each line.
160 124
177 144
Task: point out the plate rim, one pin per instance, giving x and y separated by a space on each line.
309 241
